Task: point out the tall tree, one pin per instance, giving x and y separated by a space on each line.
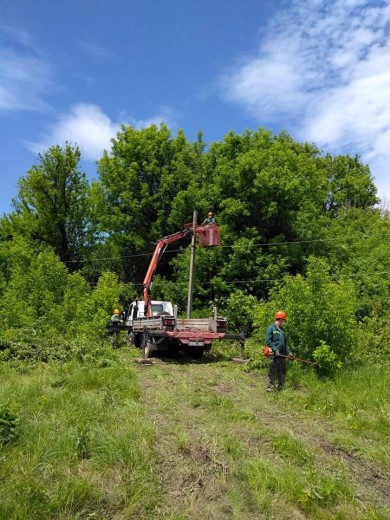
146 187
52 202
275 198
350 183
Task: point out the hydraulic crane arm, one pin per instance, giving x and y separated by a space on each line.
158 252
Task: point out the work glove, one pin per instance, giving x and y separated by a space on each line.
277 353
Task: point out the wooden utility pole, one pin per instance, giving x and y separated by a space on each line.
192 265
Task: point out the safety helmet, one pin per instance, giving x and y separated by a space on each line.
210 214
280 315
116 311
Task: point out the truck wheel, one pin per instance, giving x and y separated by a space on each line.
148 350
196 354
130 339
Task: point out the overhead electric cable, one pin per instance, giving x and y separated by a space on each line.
238 246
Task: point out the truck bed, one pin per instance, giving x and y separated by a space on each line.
193 324
182 324
147 323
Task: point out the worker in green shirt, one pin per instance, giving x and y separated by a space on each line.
275 338
209 220
115 321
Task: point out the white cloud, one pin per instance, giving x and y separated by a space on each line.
96 50
322 71
165 115
85 125
91 129
24 74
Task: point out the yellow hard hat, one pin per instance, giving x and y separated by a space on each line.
116 311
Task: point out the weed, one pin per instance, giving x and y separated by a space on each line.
8 426
83 443
327 360
182 440
291 449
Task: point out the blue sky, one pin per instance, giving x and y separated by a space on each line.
78 70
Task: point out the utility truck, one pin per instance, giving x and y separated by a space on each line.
165 331
154 325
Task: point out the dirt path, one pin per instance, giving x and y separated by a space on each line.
212 420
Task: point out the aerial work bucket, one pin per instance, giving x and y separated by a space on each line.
208 235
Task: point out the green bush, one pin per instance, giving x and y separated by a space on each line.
327 360
372 344
240 308
44 307
8 426
319 310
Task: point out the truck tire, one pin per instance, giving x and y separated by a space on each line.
131 339
148 349
196 353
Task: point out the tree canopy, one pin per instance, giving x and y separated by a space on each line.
290 217
51 205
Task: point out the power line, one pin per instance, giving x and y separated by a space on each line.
237 246
260 280
107 258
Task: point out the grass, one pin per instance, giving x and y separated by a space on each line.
84 447
180 440
356 403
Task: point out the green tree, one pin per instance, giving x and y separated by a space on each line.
266 190
274 200
139 195
359 249
35 285
52 203
350 183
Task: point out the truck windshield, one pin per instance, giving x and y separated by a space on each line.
157 307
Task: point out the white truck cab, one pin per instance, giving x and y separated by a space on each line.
137 310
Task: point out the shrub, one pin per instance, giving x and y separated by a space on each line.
327 360
240 309
8 426
319 309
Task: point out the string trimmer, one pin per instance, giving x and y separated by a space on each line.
269 352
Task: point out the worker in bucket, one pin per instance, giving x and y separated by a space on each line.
275 338
209 220
115 320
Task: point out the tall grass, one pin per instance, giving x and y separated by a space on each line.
355 401
98 438
84 444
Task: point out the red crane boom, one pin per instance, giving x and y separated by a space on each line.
158 252
209 236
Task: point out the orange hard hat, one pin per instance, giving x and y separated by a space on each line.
267 351
116 311
280 315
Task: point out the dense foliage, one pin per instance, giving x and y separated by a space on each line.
300 231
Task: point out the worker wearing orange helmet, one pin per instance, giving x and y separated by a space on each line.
275 338
209 220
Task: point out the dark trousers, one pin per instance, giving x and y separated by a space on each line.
277 370
114 339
